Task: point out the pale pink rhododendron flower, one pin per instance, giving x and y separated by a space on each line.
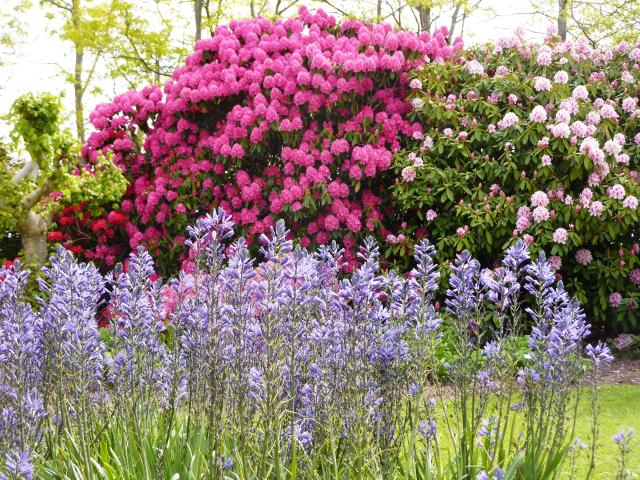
608 112
563 116
509 120
560 235
474 67
540 214
580 92
462 231
561 77
616 192
408 174
630 202
542 84
556 262
629 104
596 208
539 199
584 257
623 341
538 114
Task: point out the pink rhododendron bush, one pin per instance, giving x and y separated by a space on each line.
296 119
539 142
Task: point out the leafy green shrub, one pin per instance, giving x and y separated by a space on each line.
539 142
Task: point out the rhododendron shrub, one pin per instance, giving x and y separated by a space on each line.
296 119
537 142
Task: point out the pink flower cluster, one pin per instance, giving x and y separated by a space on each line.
294 118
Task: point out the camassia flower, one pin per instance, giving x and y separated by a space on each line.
286 345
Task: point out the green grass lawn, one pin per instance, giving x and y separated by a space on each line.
620 409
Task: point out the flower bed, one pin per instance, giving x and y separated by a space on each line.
255 369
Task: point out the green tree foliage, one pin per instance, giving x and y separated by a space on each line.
132 41
12 28
602 22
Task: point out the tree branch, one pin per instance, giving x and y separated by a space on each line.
24 172
287 7
339 10
58 4
93 68
34 197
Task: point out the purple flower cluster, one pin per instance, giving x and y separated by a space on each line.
286 350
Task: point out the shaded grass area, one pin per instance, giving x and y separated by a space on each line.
620 408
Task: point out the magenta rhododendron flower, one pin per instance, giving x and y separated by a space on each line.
260 120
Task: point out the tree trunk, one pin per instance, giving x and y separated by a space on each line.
78 87
379 11
33 231
78 94
197 10
454 22
425 18
562 19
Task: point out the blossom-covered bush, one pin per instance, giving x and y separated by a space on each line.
254 367
296 119
533 141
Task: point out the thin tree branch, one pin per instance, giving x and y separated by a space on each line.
60 5
87 82
34 197
294 2
339 10
24 172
